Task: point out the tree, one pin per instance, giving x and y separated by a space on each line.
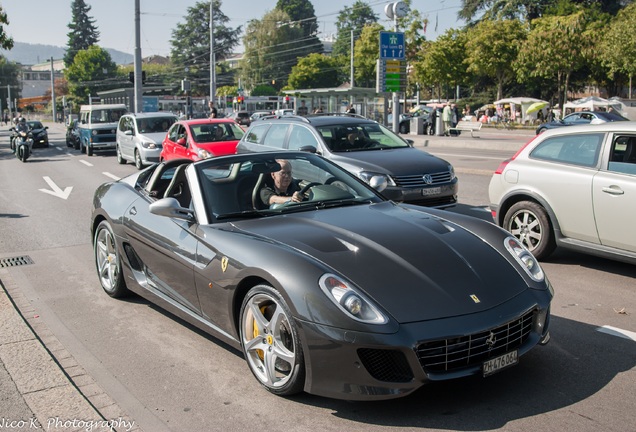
442 65
315 71
301 13
6 42
191 44
618 45
555 48
92 70
492 47
271 50
525 10
353 18
83 32
365 54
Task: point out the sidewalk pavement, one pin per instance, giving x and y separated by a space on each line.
42 387
486 139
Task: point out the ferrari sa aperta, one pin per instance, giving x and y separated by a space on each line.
337 292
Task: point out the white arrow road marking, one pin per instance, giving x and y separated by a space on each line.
86 163
113 176
617 332
57 191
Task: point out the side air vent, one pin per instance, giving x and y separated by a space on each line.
15 261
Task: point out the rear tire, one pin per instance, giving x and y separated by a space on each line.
138 163
529 222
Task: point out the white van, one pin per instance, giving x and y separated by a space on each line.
98 126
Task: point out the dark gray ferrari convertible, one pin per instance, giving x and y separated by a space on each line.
326 286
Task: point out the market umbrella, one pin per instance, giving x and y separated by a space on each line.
536 107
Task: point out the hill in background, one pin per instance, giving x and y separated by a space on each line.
31 54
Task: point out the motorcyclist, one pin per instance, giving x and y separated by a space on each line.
21 126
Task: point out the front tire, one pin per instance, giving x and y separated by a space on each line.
138 163
529 222
108 261
271 342
89 150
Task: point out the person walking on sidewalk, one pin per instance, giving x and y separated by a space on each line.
447 117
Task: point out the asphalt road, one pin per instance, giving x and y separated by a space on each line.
166 375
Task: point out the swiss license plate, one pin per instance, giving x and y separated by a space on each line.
498 363
432 191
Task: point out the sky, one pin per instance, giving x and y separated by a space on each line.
46 21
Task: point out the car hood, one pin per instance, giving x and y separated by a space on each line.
399 161
156 137
413 264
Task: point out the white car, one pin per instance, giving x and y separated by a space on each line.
139 137
572 187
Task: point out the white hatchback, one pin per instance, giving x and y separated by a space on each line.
139 137
571 187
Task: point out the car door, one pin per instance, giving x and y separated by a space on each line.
173 148
126 143
614 196
167 250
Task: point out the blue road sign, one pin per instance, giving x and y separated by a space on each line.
392 46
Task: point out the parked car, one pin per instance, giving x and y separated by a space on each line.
72 135
201 138
342 294
241 117
365 148
582 118
571 187
140 137
40 134
428 127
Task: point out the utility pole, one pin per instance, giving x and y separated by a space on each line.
212 56
53 92
139 99
9 102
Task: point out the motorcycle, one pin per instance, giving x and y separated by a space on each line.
23 143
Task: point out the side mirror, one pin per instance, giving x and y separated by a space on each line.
170 207
308 149
46 127
378 183
181 142
128 133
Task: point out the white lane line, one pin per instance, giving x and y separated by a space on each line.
113 176
614 331
86 163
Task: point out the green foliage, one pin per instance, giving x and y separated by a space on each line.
351 18
617 49
365 54
224 91
6 42
92 70
492 47
83 32
9 75
156 74
264 90
315 71
191 44
272 48
302 13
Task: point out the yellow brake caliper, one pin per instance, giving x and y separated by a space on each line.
260 353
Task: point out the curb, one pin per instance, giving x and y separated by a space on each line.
57 391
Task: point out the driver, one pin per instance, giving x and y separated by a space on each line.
285 188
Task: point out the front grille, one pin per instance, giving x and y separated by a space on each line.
417 180
462 352
435 201
386 365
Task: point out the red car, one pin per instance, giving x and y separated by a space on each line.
201 139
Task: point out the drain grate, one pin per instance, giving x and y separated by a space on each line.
15 261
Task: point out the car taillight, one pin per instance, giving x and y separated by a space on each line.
502 166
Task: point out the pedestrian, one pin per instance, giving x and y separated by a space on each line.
213 111
350 110
447 117
302 109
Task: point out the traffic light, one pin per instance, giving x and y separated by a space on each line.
131 77
286 99
239 99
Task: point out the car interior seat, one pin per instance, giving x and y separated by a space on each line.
178 187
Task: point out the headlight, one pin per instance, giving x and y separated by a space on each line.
452 172
352 302
149 144
94 132
366 176
204 154
524 258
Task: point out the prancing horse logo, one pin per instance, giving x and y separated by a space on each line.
491 341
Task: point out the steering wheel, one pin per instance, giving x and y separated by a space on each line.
308 186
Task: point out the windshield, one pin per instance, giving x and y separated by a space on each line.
35 125
107 115
211 132
243 186
360 137
155 124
